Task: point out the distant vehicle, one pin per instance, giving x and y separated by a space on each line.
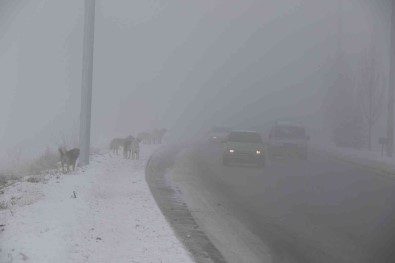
219 133
243 147
287 139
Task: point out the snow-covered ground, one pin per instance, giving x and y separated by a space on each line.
112 218
373 159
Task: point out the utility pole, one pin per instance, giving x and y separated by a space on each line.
391 88
86 87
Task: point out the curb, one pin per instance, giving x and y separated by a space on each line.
176 211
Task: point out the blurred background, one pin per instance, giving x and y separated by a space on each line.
189 65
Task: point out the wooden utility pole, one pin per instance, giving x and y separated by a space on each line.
86 87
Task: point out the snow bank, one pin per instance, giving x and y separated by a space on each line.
371 159
111 218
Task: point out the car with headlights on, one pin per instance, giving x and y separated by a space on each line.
243 147
288 139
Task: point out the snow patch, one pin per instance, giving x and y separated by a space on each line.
372 159
101 213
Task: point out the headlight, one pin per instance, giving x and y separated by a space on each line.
258 152
231 151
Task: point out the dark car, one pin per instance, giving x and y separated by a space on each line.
243 147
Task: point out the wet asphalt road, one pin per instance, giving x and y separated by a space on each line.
318 210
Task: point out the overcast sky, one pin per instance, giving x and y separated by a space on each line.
183 65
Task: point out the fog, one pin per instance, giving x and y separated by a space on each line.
182 65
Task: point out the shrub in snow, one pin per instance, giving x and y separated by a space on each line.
3 179
3 205
44 164
47 161
33 180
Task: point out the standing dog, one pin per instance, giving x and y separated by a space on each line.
136 149
127 147
116 144
69 158
145 137
155 136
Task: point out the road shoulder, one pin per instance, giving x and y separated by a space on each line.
176 211
235 242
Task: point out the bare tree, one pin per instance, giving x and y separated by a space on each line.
371 87
341 110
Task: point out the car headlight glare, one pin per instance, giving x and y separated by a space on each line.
258 152
231 151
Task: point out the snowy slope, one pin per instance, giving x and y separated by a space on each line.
113 218
371 159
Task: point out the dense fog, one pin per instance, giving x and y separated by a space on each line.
182 65
221 131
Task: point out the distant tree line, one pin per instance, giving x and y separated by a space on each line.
355 101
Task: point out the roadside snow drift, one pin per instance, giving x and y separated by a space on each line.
111 218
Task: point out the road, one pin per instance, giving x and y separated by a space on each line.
318 210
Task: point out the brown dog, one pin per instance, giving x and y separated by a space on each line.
69 158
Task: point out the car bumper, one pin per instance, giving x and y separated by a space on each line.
244 157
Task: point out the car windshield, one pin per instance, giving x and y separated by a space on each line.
289 132
251 137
